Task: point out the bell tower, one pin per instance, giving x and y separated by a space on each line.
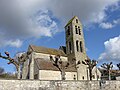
75 46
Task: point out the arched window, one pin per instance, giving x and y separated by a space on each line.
77 45
83 77
74 78
79 30
76 29
68 30
76 20
93 76
81 48
70 47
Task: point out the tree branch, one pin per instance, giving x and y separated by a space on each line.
11 60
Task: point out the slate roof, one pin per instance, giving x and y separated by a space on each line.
45 50
46 64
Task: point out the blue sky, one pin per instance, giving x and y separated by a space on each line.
41 22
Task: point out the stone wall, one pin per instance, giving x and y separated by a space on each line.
58 85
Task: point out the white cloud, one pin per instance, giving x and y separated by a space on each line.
15 43
106 25
115 7
24 19
13 26
112 50
115 67
87 11
11 42
43 25
117 21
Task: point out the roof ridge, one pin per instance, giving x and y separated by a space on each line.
44 47
46 50
70 21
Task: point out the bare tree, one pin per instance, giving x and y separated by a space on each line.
15 62
107 67
61 65
90 63
118 65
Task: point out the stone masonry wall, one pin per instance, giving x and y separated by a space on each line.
58 85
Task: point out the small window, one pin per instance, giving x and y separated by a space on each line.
76 29
93 76
70 47
76 20
77 45
79 30
81 48
68 30
74 77
83 77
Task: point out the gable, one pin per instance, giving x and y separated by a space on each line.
73 20
70 21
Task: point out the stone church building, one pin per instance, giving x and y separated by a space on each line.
40 67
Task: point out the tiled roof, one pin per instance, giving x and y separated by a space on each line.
45 50
46 64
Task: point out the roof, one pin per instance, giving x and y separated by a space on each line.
63 48
45 50
115 71
70 21
46 64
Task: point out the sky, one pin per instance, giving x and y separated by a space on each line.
41 23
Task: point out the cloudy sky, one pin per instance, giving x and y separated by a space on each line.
41 22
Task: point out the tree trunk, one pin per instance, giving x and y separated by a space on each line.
18 73
90 73
109 75
63 74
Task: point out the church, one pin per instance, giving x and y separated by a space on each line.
39 66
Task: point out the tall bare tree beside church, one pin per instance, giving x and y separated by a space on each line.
16 63
61 65
90 63
107 67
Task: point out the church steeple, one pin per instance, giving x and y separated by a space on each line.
75 45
